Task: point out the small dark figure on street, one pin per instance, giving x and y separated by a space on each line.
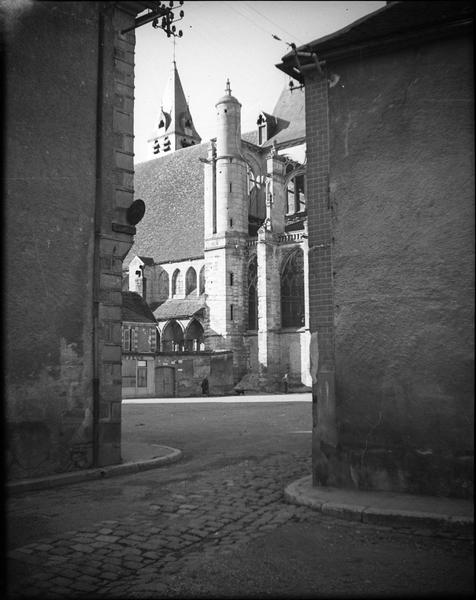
205 388
285 383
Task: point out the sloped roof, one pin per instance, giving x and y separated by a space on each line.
390 26
290 115
172 188
135 309
176 308
147 260
175 107
251 137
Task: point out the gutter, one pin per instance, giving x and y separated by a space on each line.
292 66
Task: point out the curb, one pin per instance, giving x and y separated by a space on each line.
420 522
27 485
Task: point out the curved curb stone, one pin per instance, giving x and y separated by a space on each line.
448 525
26 485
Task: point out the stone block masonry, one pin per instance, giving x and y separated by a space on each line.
114 237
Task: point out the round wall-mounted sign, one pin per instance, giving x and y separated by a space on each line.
135 212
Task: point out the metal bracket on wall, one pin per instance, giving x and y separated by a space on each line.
166 16
119 228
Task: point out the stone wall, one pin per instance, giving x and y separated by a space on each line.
68 173
191 368
397 285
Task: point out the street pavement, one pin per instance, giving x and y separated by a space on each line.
219 522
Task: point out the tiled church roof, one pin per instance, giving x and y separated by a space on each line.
172 189
135 309
290 116
176 308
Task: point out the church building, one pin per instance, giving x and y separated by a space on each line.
221 253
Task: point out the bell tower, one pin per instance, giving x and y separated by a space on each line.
174 128
226 233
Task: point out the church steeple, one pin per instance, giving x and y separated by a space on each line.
174 128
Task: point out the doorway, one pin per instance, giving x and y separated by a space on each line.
165 382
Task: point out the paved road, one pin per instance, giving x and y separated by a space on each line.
216 524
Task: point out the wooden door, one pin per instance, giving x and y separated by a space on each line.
164 382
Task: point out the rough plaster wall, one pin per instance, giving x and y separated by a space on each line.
50 111
402 186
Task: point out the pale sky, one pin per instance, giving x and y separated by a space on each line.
229 39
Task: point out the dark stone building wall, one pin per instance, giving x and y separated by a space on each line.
400 195
68 182
50 167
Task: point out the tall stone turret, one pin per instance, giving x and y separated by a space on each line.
226 233
232 210
174 128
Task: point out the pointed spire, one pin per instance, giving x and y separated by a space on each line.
228 89
179 129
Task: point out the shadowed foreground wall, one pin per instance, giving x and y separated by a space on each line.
68 174
400 198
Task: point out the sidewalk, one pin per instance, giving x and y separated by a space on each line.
135 457
449 517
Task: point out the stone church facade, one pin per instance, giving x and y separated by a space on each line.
221 254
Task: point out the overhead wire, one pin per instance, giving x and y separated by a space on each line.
291 35
232 6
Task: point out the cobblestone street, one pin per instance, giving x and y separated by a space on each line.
197 518
179 523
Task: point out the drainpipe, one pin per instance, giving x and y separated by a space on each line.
97 240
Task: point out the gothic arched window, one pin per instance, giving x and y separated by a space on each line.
172 338
190 281
253 294
295 191
194 337
256 200
161 291
201 282
292 290
177 283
